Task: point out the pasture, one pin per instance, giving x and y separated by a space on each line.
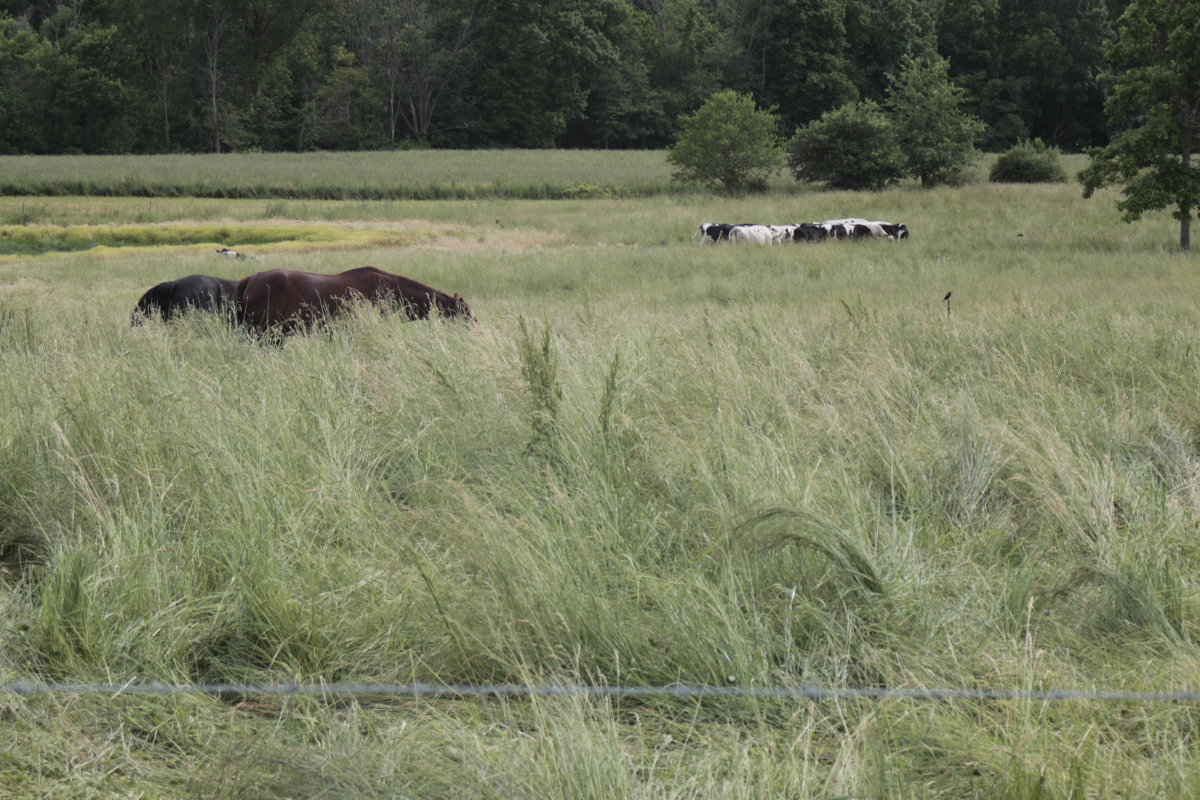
395 175
650 462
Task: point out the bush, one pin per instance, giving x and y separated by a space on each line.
729 142
1028 162
852 147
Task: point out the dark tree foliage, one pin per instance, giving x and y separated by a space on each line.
221 75
1031 66
69 96
809 61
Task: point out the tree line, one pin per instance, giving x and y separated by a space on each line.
152 76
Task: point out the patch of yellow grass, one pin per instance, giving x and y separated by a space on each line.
277 236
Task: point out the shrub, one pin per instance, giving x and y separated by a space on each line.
729 142
1028 162
852 147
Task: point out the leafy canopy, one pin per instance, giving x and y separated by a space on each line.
937 136
730 142
1156 99
853 147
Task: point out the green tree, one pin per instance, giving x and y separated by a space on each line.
60 99
262 37
532 59
688 55
1029 66
25 88
161 32
937 136
809 63
413 51
1157 100
852 147
818 55
623 108
728 141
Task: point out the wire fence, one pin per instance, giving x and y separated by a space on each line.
451 691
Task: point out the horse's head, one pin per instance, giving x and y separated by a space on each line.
462 308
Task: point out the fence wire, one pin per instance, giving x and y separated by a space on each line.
681 691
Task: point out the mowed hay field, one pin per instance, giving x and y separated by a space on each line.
650 463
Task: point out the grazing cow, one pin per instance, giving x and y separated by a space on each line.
198 292
753 234
897 232
810 232
712 233
225 251
855 228
284 298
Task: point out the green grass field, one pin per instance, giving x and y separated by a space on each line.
419 174
651 462
408 175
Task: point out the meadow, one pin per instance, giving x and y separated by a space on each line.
393 175
650 463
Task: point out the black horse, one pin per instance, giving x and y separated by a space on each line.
193 292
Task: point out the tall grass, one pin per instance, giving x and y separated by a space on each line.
645 465
411 175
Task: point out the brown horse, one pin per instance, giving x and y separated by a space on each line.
284 298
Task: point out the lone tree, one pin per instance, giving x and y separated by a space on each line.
728 141
1156 100
938 138
853 147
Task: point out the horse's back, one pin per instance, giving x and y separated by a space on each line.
286 297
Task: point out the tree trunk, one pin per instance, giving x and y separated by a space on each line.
212 53
1189 133
162 66
1189 126
216 120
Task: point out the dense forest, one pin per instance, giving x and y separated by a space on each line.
152 76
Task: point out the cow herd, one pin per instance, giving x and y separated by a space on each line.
850 228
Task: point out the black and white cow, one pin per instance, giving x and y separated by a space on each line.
862 228
713 232
810 232
849 228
